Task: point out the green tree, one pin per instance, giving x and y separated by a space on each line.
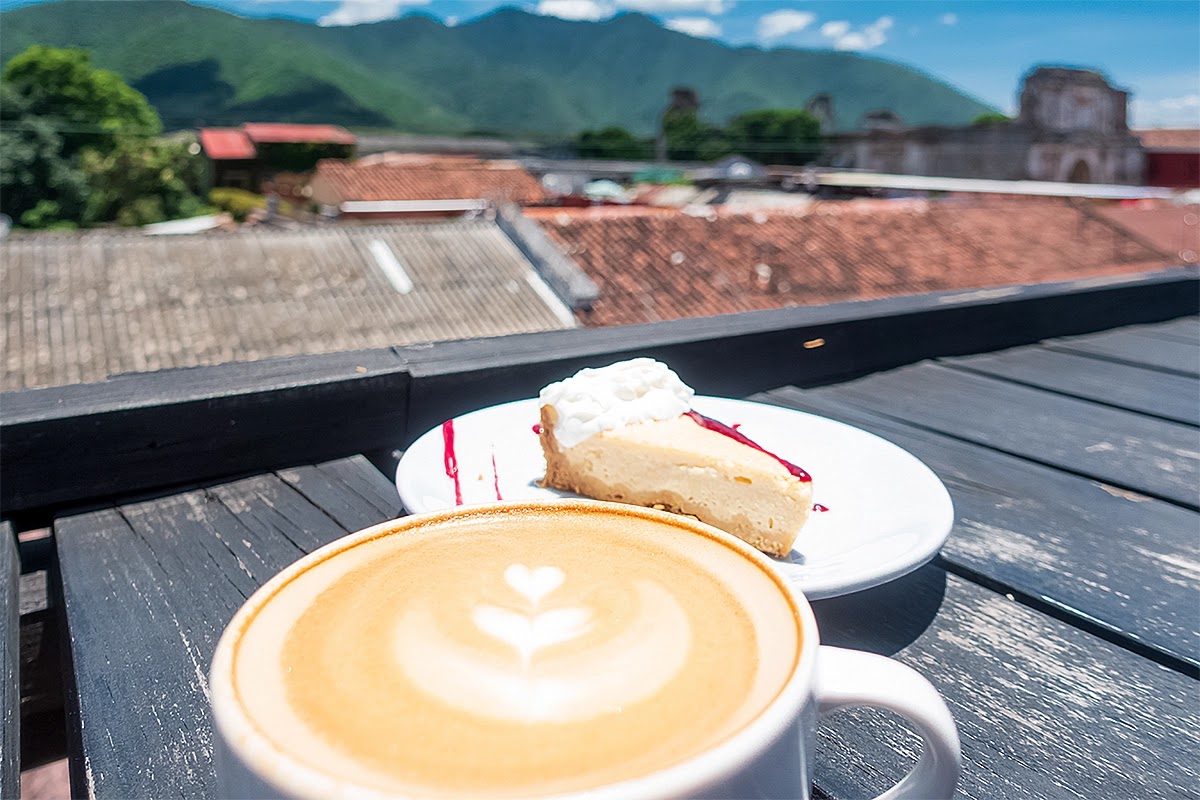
684 132
38 185
691 139
138 182
613 142
989 118
88 107
79 146
776 136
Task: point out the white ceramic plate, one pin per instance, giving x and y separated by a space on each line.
888 513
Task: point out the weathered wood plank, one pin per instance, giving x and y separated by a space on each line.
147 590
10 659
351 491
1186 329
1044 710
1147 391
1131 347
1123 561
1121 448
42 730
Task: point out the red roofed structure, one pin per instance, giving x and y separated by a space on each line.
1172 157
285 132
245 157
226 144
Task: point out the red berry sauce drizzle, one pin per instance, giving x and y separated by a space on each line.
820 508
495 478
733 433
449 459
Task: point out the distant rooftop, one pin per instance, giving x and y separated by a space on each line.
1170 139
391 176
227 144
657 266
289 132
235 144
81 307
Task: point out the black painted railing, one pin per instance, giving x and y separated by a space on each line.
69 446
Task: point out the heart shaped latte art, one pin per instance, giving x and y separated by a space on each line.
528 635
533 584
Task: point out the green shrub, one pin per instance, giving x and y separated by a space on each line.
238 202
990 118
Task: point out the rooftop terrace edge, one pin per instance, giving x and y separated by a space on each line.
70 445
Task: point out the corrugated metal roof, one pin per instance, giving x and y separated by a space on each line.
226 144
290 132
78 308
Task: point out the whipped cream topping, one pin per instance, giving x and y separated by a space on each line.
595 400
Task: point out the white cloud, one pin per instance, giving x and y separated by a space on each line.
780 23
866 38
1180 103
835 29
852 41
1167 112
450 21
355 12
700 27
590 10
677 6
949 19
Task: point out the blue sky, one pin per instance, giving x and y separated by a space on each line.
1151 47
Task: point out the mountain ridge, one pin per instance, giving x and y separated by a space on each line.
507 71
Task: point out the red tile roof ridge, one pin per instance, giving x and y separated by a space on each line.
288 132
1169 138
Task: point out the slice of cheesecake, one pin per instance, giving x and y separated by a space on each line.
627 433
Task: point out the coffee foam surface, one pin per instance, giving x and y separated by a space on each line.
516 653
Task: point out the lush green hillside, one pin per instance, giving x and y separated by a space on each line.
510 71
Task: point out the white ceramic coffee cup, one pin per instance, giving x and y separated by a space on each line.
771 757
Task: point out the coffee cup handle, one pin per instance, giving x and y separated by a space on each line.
848 678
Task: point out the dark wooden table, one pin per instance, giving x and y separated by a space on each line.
1061 621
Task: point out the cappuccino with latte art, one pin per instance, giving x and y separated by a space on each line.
512 651
568 650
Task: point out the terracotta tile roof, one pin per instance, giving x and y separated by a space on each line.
290 132
1170 139
1171 229
656 267
80 307
226 144
429 178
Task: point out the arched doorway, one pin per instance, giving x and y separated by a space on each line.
1080 173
